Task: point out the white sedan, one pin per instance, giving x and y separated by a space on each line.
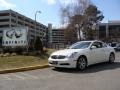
82 54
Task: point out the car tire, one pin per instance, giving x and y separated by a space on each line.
111 58
81 63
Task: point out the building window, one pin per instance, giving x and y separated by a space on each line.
6 42
4 20
21 41
15 42
1 31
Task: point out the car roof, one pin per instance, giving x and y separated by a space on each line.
91 41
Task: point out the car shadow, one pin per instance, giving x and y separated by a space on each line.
91 69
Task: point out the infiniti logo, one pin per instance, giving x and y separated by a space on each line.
14 33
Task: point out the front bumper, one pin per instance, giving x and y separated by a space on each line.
62 63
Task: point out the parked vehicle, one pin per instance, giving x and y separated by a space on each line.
82 54
118 47
115 45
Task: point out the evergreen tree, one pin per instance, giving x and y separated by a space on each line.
38 44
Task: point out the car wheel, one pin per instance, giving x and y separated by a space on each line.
111 58
81 63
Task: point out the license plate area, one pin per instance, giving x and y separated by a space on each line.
55 62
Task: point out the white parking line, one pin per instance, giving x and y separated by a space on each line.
7 77
50 76
28 75
24 75
18 76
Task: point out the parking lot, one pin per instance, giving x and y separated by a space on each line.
96 77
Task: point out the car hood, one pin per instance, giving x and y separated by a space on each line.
66 52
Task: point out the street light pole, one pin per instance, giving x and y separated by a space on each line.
35 25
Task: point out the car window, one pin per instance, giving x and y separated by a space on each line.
113 44
118 45
97 44
80 45
104 44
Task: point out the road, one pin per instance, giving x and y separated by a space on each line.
97 77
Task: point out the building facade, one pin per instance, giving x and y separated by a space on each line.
110 31
10 18
57 38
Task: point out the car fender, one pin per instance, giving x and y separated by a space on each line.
85 54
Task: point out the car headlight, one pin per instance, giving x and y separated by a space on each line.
72 55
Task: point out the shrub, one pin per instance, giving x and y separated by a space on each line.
6 55
1 55
45 49
38 45
35 53
25 53
13 54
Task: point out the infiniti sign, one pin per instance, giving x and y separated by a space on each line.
14 33
16 36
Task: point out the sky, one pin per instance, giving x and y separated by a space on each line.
50 9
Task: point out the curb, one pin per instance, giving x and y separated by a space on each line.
23 69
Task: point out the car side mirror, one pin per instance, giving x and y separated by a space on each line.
93 47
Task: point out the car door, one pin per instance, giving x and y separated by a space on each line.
105 52
97 53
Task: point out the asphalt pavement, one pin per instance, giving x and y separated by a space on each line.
96 77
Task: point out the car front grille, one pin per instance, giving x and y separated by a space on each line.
58 57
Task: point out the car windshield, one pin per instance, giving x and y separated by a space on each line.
80 45
113 44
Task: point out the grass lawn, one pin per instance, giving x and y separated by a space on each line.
23 61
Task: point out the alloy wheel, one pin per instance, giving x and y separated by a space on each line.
81 64
111 58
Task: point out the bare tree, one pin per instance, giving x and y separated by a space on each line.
72 14
70 35
82 16
76 8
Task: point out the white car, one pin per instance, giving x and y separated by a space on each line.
82 54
